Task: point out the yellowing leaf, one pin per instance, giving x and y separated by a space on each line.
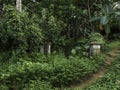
101 27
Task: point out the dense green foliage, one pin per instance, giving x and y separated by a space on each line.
63 23
111 79
107 16
55 69
18 31
97 37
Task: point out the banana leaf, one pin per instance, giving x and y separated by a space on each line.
117 13
104 20
94 19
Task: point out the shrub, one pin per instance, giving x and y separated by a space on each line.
81 48
3 87
38 85
97 37
18 31
56 69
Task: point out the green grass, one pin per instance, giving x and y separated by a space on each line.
113 45
111 79
110 46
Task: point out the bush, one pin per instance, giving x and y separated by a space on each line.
56 69
38 85
73 70
97 37
19 31
3 87
81 48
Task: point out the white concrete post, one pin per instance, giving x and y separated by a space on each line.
42 49
19 5
49 48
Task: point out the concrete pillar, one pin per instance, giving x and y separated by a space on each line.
19 5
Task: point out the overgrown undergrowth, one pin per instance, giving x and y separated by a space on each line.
111 79
38 72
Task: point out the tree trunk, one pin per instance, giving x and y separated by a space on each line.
107 36
107 31
19 5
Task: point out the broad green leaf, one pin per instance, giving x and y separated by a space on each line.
97 5
104 20
73 51
117 13
94 19
107 9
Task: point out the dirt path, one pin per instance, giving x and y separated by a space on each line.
108 60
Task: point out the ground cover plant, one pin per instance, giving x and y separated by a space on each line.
56 70
111 79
